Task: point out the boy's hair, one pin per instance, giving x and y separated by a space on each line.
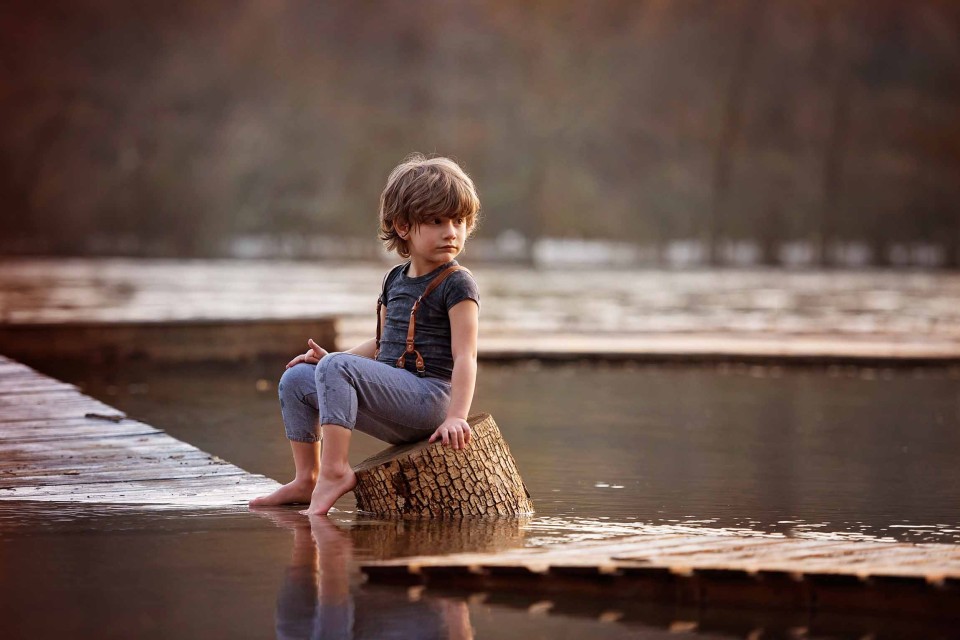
420 189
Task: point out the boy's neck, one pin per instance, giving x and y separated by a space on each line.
420 267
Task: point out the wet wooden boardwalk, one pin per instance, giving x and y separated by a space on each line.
715 570
231 309
59 445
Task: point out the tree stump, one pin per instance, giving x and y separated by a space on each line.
431 480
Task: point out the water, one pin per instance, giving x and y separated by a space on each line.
812 451
605 451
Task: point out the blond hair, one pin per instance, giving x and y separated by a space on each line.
420 189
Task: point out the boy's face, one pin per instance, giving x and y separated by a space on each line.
437 240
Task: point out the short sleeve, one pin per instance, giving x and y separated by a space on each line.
459 287
388 280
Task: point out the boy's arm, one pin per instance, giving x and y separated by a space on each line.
464 322
366 348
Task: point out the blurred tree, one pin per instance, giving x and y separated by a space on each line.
748 22
170 128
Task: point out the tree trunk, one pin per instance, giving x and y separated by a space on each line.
730 129
431 480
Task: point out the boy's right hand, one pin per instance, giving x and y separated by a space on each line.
312 356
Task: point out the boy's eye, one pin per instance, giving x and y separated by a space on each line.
461 221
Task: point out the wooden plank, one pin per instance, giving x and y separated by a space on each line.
66 422
53 393
69 465
230 490
67 397
53 447
144 472
170 340
39 411
133 446
850 558
65 403
750 548
77 432
157 486
697 548
760 570
16 385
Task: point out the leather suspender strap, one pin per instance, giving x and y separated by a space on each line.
376 353
411 329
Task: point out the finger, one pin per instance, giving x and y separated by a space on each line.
317 349
434 437
460 439
446 438
466 435
311 360
313 345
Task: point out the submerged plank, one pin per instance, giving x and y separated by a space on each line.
59 445
757 570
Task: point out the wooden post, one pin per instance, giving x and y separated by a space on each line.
431 480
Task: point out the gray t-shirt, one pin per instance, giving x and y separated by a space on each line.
432 337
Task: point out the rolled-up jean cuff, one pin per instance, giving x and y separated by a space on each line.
305 438
340 422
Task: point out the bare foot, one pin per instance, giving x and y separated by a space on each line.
294 492
330 487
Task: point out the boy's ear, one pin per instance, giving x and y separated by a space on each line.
403 228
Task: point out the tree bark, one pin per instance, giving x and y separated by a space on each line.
431 480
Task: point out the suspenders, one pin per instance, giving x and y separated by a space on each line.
411 330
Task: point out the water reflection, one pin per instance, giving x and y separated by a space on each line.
125 571
317 598
321 596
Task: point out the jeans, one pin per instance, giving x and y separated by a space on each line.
354 392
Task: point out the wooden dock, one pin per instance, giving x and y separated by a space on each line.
111 309
59 445
762 571
195 340
708 349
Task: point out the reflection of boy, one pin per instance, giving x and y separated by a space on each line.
315 600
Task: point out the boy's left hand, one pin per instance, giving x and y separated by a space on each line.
454 432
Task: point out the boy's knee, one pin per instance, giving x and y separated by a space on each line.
332 364
295 379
